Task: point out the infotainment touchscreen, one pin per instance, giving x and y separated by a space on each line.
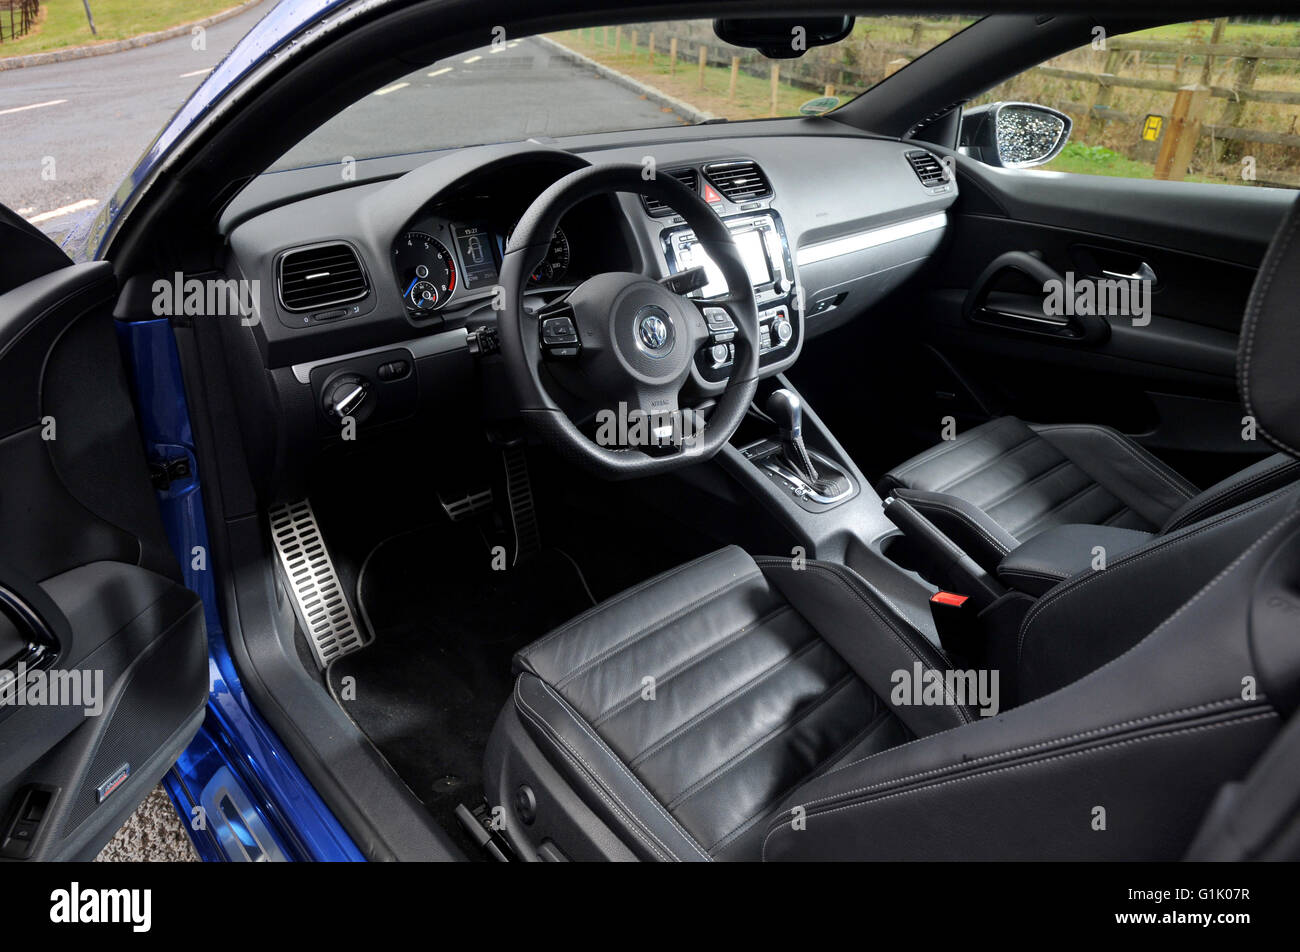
752 253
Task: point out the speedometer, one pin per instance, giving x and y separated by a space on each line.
555 265
425 270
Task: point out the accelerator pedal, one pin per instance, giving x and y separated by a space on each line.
519 493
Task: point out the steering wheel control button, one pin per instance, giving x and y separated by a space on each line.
655 335
560 336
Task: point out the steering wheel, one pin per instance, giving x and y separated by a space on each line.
623 342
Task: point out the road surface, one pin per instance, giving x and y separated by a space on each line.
73 130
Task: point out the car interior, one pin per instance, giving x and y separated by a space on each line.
849 458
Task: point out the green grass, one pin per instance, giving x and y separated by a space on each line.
1099 160
63 22
1263 34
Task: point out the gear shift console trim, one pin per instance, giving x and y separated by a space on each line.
769 456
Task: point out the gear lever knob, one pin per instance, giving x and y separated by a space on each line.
786 410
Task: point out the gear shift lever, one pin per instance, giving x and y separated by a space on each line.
786 409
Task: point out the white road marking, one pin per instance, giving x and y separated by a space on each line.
472 59
497 49
65 210
390 89
198 72
438 72
35 105
513 43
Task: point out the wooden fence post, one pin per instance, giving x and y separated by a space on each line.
1182 130
618 39
634 49
651 59
1228 150
672 56
829 90
704 61
776 83
918 33
735 70
1216 36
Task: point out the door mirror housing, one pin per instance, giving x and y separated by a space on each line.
1014 135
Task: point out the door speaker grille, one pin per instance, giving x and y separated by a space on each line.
332 630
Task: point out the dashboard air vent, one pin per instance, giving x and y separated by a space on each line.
321 277
741 181
927 168
687 177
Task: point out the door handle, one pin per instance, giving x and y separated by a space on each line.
981 306
1144 272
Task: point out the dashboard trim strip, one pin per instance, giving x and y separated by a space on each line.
440 343
861 241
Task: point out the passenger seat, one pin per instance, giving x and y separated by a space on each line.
1000 484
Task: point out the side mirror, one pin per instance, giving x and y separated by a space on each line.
1014 135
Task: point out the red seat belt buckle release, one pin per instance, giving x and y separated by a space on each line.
956 626
949 598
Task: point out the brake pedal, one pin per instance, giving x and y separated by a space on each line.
471 504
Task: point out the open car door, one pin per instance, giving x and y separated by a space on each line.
102 648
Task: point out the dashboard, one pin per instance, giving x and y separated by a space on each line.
385 282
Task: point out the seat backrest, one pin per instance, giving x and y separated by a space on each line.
1253 482
1123 762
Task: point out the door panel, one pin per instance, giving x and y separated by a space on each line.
111 646
1171 382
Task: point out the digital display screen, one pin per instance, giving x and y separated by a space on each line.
752 253
479 263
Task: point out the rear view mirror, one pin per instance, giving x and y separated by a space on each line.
783 37
1014 135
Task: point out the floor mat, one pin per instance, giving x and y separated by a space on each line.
428 689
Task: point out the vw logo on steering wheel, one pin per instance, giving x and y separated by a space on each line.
654 331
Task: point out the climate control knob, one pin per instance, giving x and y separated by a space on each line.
783 329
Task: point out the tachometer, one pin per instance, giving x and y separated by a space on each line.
425 271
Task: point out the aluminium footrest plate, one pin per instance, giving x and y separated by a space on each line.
332 629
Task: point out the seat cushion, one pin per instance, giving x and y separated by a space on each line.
685 709
1001 483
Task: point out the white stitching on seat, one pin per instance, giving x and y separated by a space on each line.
964 439
640 787
1159 735
898 635
658 624
1134 450
960 514
596 785
1193 513
616 600
1078 735
1159 547
1254 309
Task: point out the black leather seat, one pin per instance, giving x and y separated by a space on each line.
744 709
688 707
1004 482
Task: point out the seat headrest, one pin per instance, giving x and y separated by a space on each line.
1268 355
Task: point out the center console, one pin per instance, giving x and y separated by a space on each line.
761 241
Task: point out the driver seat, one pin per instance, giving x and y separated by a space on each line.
740 708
